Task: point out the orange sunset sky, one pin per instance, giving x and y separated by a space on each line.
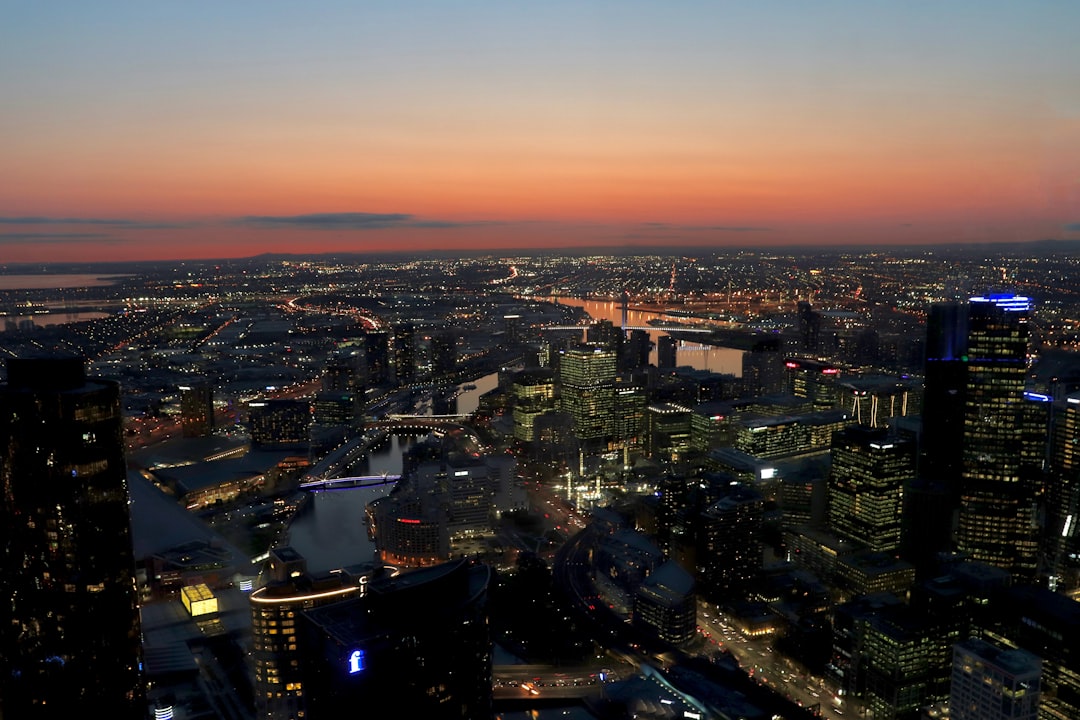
135 131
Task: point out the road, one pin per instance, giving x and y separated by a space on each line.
757 657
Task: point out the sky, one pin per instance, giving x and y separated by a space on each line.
174 130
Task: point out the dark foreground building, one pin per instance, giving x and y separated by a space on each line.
70 641
415 645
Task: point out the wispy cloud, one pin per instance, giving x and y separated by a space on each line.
109 222
1073 227
702 228
19 238
353 221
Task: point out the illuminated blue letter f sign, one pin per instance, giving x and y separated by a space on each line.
356 662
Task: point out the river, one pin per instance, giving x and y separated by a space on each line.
332 533
701 357
56 281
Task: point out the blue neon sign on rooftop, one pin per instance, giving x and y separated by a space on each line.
1006 301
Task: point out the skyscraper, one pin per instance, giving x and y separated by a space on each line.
997 523
866 485
587 376
932 499
197 409
405 353
665 352
70 641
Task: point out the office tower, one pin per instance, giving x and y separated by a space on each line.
665 605
866 486
809 327
897 652
341 374
994 683
279 423
997 522
443 355
288 589
416 645
730 553
665 352
405 353
587 390
196 409
932 499
763 368
667 430
70 642
636 350
629 417
813 380
375 367
1063 498
534 394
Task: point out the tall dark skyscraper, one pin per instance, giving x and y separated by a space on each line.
665 352
197 409
70 643
997 522
443 354
932 498
405 353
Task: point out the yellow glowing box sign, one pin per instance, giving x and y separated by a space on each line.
198 600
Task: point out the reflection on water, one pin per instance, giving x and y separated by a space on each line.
332 532
700 357
54 318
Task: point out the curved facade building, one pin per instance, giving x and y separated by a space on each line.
415 645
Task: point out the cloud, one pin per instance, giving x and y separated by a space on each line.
355 221
110 222
331 221
702 228
1073 227
34 238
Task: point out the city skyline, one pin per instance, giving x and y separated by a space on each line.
179 132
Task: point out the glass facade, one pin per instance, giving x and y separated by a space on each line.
70 642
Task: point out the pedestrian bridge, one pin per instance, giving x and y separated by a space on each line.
341 483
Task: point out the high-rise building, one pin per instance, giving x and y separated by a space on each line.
279 423
286 590
763 368
405 353
932 498
70 643
196 409
534 394
997 522
636 350
665 352
994 683
416 644
667 430
587 376
730 552
376 367
867 477
443 354
1062 537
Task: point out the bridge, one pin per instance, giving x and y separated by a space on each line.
659 328
440 418
341 483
